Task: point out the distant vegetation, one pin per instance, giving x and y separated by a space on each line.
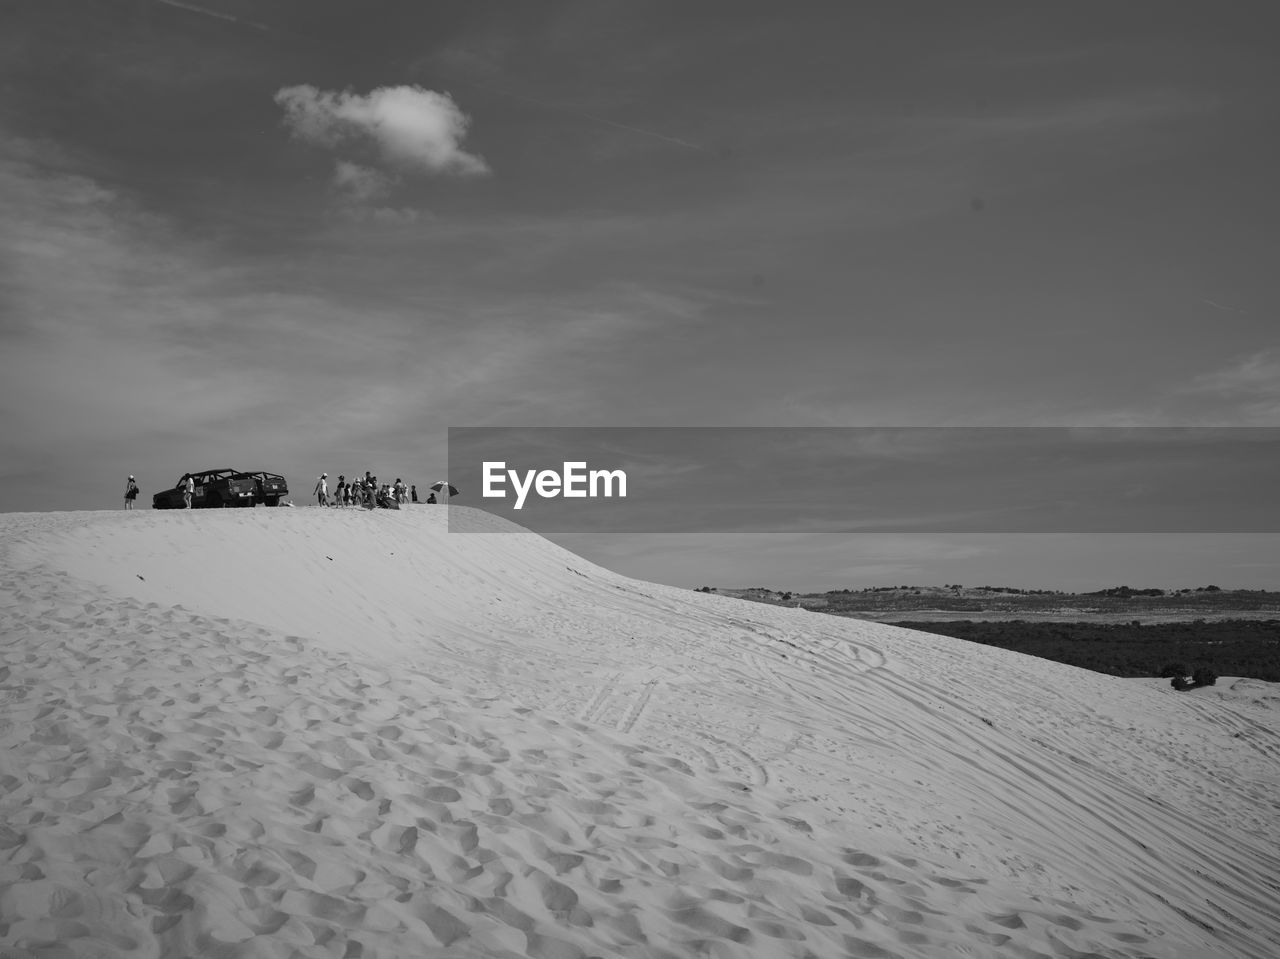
1234 647
1190 635
1120 591
969 602
954 587
1201 677
1124 592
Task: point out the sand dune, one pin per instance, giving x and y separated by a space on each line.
309 732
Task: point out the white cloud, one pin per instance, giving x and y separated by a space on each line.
414 128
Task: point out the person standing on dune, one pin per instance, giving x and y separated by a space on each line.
130 492
188 491
322 489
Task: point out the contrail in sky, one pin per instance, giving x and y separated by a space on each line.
648 133
1219 306
191 7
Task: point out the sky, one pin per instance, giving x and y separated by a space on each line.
307 235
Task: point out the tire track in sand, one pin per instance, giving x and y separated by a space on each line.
637 710
596 704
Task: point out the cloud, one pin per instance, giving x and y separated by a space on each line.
393 215
108 333
360 184
413 128
1255 375
1244 391
129 345
1250 387
382 215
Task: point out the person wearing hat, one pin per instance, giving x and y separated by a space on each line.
130 492
322 489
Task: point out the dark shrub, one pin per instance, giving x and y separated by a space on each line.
1204 676
1180 683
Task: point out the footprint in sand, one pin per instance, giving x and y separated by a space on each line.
258 875
1010 920
268 740
36 900
78 787
442 794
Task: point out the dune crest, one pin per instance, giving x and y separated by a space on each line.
352 734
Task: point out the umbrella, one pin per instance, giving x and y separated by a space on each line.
453 490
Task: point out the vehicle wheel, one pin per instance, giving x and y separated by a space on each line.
272 501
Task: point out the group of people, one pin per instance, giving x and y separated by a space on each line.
358 492
367 492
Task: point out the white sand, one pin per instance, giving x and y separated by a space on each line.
310 732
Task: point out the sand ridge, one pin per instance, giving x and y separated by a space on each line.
533 756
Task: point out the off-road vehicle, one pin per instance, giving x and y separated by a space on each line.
269 488
213 488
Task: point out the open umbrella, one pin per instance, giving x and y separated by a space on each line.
453 490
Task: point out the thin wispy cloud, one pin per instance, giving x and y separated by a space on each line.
415 129
125 342
1256 375
387 215
1237 391
360 184
111 320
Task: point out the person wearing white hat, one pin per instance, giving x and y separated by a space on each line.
322 489
130 492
